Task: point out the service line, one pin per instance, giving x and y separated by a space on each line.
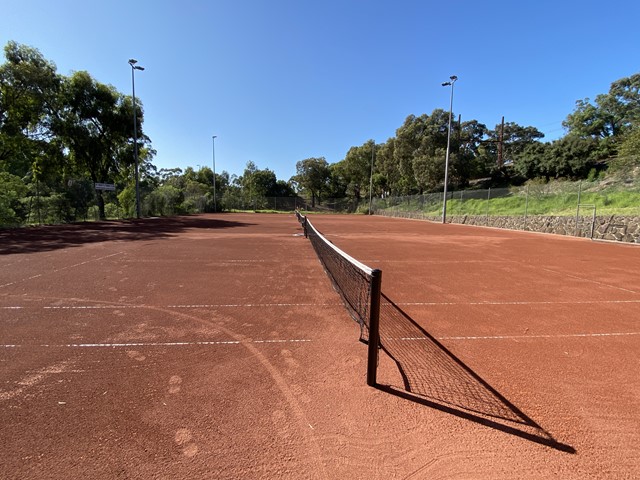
157 344
212 305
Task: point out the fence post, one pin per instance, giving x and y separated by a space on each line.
578 207
526 207
488 198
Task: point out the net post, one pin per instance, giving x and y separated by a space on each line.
374 327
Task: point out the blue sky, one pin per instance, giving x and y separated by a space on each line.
279 81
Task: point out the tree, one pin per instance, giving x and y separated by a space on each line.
613 113
388 171
29 89
468 161
356 169
12 189
568 157
313 175
629 151
95 125
282 189
336 186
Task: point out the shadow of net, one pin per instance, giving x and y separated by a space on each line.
435 377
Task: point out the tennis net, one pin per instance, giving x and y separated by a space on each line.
358 285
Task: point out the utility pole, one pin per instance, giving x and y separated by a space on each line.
453 79
500 141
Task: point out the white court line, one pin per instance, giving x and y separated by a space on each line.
61 269
23 280
589 280
240 305
231 305
264 305
524 337
157 344
568 302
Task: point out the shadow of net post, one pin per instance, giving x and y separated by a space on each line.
434 377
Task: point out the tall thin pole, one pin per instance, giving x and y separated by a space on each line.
446 163
374 327
500 144
215 205
134 67
373 153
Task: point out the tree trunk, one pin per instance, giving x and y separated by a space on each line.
101 205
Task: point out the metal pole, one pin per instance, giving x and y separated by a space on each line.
578 208
374 327
446 162
526 208
134 67
488 199
373 152
215 205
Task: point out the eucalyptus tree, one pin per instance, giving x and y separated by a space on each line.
612 114
312 174
95 125
29 90
356 169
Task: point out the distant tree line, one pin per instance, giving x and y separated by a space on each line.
600 135
60 135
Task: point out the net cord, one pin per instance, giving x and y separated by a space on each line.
367 270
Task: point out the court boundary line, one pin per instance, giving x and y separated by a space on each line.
527 337
156 344
186 306
263 305
542 302
306 340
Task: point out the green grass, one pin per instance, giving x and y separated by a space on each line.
612 202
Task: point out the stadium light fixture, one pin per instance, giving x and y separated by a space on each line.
135 67
450 83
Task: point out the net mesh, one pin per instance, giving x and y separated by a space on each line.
351 279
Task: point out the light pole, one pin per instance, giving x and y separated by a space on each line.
135 67
373 153
215 206
453 79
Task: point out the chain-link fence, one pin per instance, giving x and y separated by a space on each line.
559 199
586 209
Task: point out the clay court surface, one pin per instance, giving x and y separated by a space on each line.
216 347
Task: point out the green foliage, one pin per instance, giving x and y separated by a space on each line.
166 200
629 152
12 211
538 197
54 128
613 113
313 176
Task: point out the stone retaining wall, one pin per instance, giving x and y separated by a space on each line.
610 227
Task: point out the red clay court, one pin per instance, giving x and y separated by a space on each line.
215 346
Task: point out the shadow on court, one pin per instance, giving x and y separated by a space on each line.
436 378
54 237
